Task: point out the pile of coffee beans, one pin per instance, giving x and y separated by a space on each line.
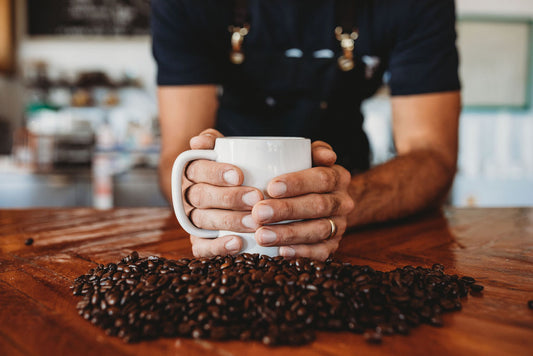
273 300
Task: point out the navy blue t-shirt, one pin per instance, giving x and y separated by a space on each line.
289 83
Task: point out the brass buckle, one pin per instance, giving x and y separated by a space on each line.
236 55
347 40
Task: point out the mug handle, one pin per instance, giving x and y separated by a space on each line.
177 197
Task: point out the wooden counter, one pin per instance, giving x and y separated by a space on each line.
38 314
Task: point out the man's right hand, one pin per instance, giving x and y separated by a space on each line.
216 200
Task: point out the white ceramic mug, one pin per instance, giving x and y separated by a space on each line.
259 158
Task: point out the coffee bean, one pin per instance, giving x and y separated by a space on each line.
476 288
214 311
435 267
225 265
112 298
152 279
468 279
401 328
184 329
86 315
197 333
134 256
112 311
245 335
373 337
269 340
447 304
219 300
436 321
530 304
272 300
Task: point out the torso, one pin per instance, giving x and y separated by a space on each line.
289 83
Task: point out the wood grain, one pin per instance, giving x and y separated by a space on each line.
38 314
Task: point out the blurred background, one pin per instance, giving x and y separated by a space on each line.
78 110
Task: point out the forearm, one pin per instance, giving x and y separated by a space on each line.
403 186
184 111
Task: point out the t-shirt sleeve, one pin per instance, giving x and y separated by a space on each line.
424 58
177 46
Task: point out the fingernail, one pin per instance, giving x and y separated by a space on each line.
194 139
251 198
277 189
266 236
287 251
249 222
232 245
264 212
231 177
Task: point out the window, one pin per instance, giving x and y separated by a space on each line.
495 64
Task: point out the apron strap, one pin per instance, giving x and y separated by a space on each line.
238 30
240 13
346 14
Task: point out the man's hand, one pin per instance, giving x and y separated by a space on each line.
219 202
313 196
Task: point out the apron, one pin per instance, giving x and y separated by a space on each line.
273 94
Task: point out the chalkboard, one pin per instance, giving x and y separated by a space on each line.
88 17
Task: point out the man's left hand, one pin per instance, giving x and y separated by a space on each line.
313 196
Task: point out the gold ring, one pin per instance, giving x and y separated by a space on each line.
333 229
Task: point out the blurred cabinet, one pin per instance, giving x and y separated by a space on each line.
20 190
138 187
495 166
